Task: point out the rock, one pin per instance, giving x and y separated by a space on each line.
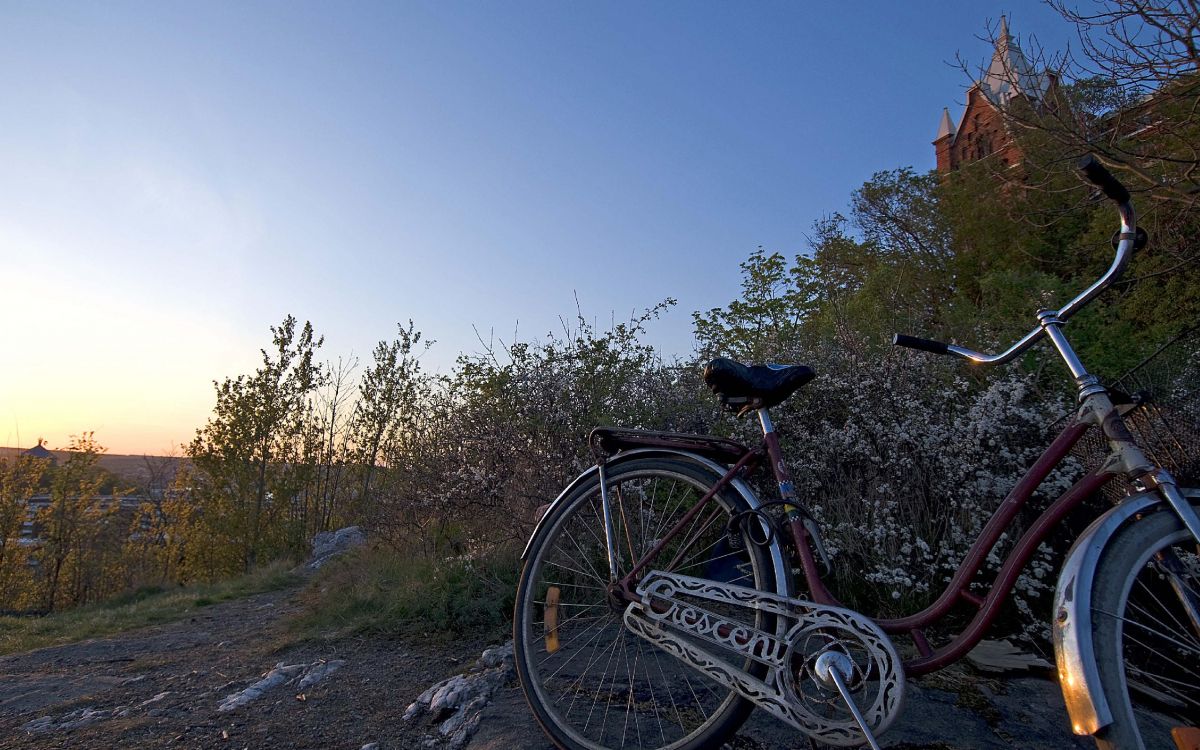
277 676
77 718
464 696
306 675
329 544
498 655
1003 656
320 671
370 746
155 699
462 736
460 718
40 724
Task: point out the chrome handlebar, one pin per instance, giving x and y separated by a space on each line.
1095 173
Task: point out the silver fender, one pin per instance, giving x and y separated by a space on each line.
783 578
1072 626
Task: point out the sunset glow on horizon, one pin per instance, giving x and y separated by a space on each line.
179 177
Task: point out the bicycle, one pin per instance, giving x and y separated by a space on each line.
657 605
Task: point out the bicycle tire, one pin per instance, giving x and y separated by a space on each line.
662 703
1149 669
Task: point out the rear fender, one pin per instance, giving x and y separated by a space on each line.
783 579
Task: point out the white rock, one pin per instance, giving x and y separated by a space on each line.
328 544
277 676
320 671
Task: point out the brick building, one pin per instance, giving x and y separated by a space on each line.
981 132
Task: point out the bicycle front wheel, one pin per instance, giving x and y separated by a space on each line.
1146 632
592 683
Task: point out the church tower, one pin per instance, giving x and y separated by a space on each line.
981 131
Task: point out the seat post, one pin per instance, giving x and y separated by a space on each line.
765 420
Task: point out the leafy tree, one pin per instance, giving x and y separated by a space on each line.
78 530
887 266
770 311
250 456
388 414
19 479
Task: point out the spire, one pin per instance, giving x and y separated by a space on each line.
1010 74
945 127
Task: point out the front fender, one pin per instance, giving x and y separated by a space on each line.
1072 626
783 579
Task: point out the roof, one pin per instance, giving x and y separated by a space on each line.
38 451
1010 74
945 127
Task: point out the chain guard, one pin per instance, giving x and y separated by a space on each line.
790 690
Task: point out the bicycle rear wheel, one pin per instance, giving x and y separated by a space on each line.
591 682
1146 632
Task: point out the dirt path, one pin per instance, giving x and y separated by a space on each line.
160 687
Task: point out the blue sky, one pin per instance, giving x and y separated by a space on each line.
176 177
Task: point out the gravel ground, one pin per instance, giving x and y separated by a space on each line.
160 687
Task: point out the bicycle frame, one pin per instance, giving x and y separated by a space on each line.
1096 410
957 591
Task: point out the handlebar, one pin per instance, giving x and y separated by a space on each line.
1094 172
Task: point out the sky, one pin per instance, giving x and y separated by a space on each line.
175 178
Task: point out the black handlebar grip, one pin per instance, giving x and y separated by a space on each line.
925 345
1096 173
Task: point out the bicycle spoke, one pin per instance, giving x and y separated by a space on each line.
1179 626
1153 631
603 685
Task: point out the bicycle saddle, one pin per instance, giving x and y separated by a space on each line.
754 386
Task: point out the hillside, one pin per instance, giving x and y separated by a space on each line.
136 470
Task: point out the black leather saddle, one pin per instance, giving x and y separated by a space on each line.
753 386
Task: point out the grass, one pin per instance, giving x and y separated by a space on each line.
386 591
145 606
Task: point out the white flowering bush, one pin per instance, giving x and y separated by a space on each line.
903 457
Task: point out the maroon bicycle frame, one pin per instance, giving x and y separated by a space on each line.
957 591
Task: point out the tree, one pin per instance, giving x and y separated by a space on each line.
769 312
250 456
79 535
19 479
888 266
391 392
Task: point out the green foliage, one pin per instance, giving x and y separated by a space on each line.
887 266
19 478
770 311
251 456
388 417
384 590
80 533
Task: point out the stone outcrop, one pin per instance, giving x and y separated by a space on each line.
329 544
456 704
